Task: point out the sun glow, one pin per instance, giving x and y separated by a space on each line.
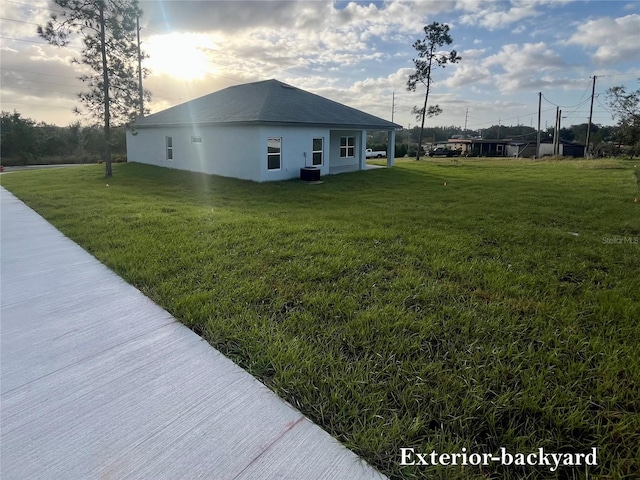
181 55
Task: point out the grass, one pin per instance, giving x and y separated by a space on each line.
499 310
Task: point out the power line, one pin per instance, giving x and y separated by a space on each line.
600 103
11 87
37 105
152 31
565 106
30 23
35 73
493 122
615 75
40 81
37 43
21 40
18 21
34 6
583 94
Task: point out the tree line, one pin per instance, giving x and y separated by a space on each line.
25 141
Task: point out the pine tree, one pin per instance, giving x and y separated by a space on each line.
436 36
108 31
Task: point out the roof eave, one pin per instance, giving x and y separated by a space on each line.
333 126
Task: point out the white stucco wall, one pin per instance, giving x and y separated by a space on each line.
241 151
225 151
296 142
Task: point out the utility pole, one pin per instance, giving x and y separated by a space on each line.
140 89
393 104
559 128
466 115
556 135
539 119
593 91
555 132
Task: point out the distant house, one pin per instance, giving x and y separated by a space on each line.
475 147
455 144
259 131
566 148
522 149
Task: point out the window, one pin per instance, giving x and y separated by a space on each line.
347 147
196 139
169 144
317 152
500 148
274 149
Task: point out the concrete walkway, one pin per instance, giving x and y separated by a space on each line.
97 381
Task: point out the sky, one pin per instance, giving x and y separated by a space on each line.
356 53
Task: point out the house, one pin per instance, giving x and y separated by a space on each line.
522 149
488 148
475 147
565 148
261 131
455 144
460 144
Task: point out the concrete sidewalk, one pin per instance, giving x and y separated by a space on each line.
97 381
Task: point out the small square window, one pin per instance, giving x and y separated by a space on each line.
347 147
196 139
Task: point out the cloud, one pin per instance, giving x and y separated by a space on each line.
515 58
206 16
353 52
372 94
494 16
615 40
39 72
468 74
30 14
524 65
228 17
340 41
280 37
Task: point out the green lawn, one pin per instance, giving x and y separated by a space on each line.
499 310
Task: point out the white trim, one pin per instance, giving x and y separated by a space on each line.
279 154
321 152
347 147
168 147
